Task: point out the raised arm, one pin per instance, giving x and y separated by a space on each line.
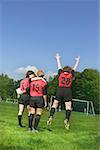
76 63
58 61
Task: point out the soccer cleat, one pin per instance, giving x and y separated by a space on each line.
29 129
49 120
34 130
21 126
66 122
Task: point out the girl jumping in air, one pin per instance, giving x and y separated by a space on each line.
64 92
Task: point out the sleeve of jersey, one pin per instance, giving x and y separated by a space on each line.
59 72
44 90
73 73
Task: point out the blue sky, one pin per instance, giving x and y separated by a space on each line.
33 31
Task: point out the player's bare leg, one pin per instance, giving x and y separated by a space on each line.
68 113
52 111
28 109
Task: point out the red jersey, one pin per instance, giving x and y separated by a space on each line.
36 87
65 79
24 84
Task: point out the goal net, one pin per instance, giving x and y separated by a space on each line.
83 106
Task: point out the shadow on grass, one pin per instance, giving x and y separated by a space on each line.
13 148
2 121
47 128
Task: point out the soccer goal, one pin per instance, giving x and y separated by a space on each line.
83 106
77 105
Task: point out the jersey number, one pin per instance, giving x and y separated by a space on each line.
67 80
36 87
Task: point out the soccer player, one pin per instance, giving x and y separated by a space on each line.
23 95
41 74
38 93
64 92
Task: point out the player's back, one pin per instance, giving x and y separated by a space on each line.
65 79
36 87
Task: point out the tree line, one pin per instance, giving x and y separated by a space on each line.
85 86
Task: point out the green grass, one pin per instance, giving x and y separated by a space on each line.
83 133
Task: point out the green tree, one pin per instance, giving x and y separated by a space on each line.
7 87
86 86
52 86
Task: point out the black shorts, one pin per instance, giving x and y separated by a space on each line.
37 102
24 99
64 94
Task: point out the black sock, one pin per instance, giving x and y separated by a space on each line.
68 113
28 121
52 111
36 122
31 120
19 120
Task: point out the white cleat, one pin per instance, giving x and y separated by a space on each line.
34 130
67 125
49 121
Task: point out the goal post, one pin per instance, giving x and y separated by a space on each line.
78 105
88 107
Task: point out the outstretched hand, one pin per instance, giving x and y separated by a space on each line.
57 56
77 58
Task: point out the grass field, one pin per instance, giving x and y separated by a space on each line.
83 133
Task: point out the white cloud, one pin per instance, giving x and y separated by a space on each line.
20 70
23 70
